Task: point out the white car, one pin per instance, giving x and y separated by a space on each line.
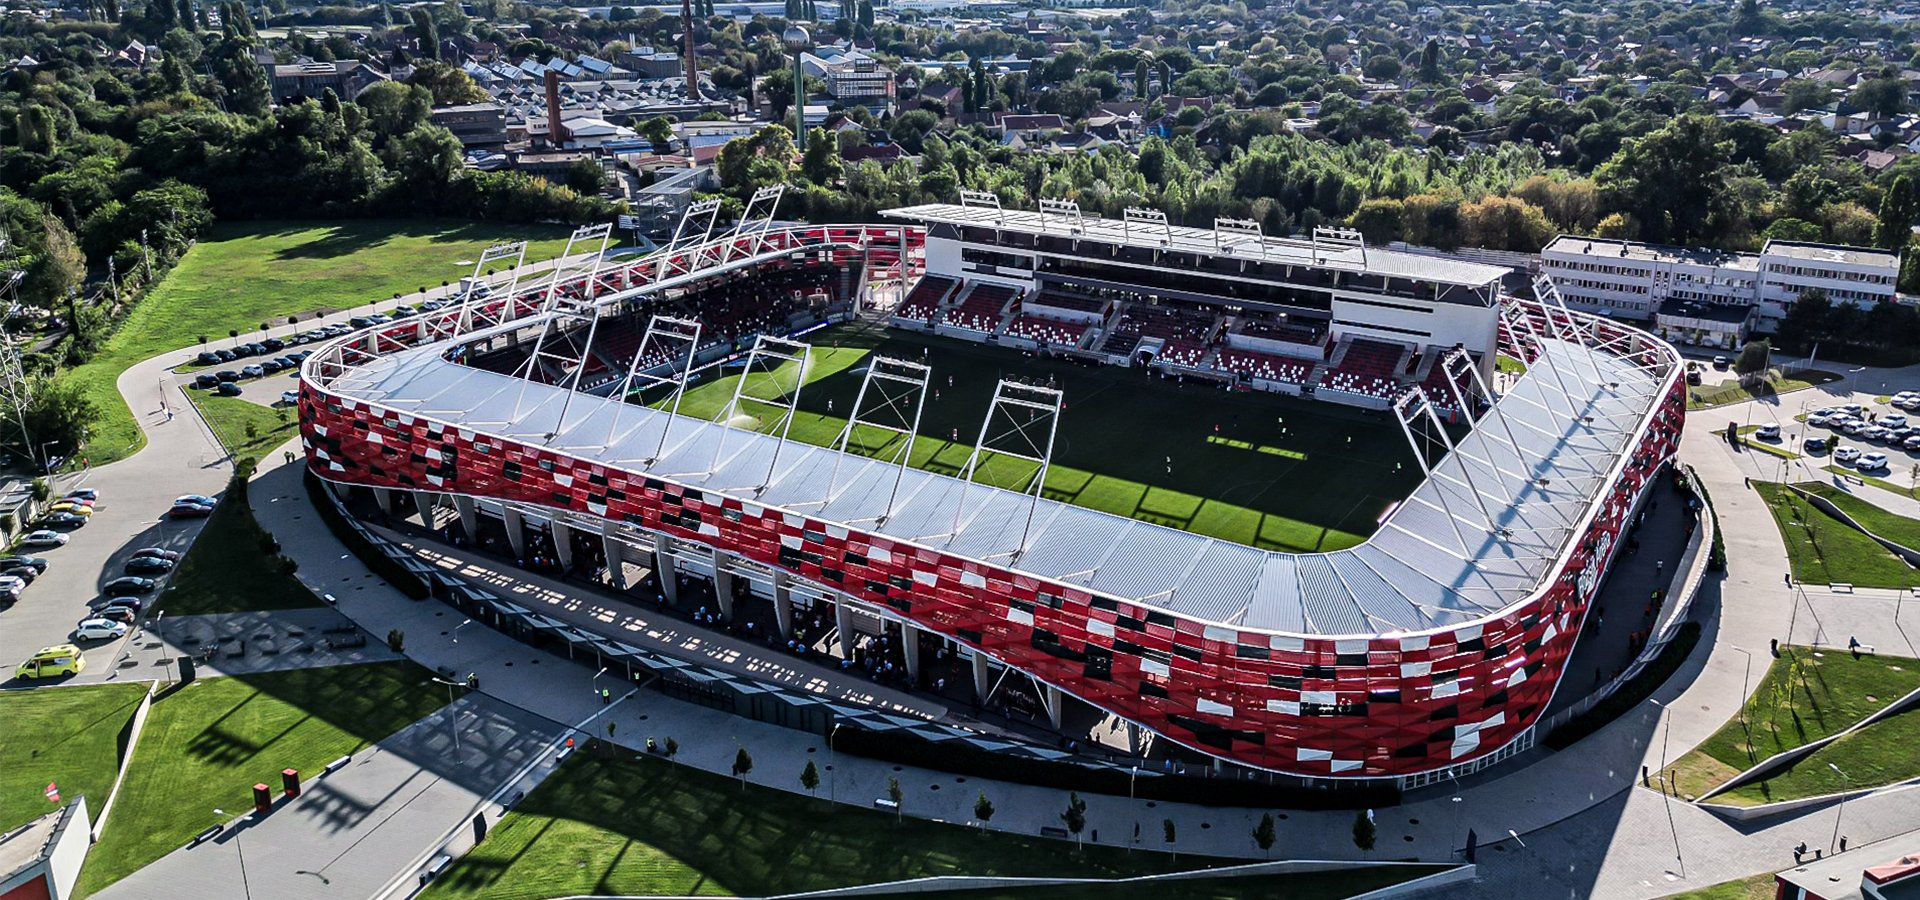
43 538
1846 454
1819 419
12 585
98 630
1853 426
1872 462
1871 433
290 398
1891 421
1767 432
1909 404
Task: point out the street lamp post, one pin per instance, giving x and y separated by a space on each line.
833 771
798 40
453 720
1746 679
238 849
456 629
1838 810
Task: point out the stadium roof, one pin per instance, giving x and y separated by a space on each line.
1431 565
1208 242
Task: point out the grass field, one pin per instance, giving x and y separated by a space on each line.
70 737
206 744
631 825
1879 754
1804 696
1896 528
244 274
1757 887
230 416
228 569
1823 550
1777 383
1260 469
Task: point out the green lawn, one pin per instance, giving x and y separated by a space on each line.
1896 528
247 273
1879 754
1823 550
230 416
68 736
228 568
1777 383
633 825
1260 469
207 744
1757 887
1802 697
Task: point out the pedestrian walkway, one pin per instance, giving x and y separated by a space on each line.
633 624
349 832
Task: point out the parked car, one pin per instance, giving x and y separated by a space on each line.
270 366
1720 362
201 499
225 355
1819 420
205 380
254 371
254 349
133 603
274 345
43 538
1891 420
1853 426
148 565
36 563
62 520
189 511
1871 433
116 613
11 587
97 629
290 398
226 375
207 358
1815 444
53 662
84 494
26 574
158 553
1767 432
128 584
1912 442
1872 462
359 322
227 389
71 507
1846 454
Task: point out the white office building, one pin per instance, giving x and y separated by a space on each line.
1712 297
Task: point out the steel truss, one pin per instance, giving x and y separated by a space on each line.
771 354
1022 422
664 335
898 390
480 305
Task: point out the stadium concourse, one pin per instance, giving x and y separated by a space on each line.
1426 651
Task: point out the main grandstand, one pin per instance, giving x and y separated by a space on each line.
1428 641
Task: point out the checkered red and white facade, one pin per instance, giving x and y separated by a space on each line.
1356 706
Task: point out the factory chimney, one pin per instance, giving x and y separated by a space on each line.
693 65
556 132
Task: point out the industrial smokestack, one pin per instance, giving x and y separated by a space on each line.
556 132
693 65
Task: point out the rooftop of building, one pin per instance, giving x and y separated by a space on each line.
1209 242
1840 876
1832 253
1574 244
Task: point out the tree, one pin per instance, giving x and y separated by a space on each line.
1898 208
1363 830
1788 228
1884 96
658 131
1142 79
1263 834
1430 61
1806 321
58 411
448 86
1167 836
742 764
1504 223
983 808
1673 181
1802 94
897 796
57 267
1752 359
810 777
821 164
1075 816
426 32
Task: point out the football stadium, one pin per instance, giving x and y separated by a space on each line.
1266 498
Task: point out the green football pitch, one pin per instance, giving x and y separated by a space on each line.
1269 471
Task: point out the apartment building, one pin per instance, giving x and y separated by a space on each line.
1712 297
